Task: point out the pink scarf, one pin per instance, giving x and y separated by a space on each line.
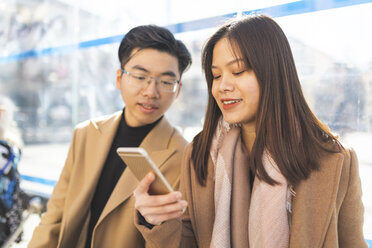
266 217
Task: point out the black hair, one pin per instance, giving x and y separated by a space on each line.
285 124
155 37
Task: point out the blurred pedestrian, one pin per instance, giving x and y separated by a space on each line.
12 199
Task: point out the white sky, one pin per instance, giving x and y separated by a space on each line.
343 33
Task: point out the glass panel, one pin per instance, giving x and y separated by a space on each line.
57 82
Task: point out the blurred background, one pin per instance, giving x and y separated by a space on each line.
58 62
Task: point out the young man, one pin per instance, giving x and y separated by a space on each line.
92 204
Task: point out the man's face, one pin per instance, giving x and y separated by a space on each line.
145 105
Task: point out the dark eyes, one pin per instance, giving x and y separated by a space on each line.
234 73
167 82
238 73
139 77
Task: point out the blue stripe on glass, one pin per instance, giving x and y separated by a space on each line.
209 22
53 182
101 41
369 242
38 180
298 7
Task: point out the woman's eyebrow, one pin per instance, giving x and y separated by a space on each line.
235 61
229 63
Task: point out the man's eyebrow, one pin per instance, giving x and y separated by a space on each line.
169 73
166 73
138 67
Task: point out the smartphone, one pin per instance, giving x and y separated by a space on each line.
139 162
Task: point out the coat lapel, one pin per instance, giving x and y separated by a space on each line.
155 144
314 203
203 206
96 146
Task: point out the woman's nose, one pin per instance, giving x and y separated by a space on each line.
226 83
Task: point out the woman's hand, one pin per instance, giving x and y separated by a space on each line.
157 208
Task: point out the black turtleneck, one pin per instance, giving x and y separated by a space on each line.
125 136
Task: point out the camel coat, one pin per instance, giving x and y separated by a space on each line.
327 209
65 222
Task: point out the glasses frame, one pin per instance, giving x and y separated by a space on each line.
149 78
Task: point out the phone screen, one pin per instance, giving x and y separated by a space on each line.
138 161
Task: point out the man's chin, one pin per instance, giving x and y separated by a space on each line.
146 120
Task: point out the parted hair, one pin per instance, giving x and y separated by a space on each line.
285 124
155 37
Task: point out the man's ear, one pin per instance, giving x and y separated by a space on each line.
179 89
119 74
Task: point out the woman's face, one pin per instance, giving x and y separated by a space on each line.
235 88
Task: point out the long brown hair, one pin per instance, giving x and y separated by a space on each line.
285 124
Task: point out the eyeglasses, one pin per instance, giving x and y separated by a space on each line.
164 83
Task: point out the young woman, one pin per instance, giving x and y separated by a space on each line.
264 172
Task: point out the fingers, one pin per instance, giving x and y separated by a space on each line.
157 208
158 204
164 209
157 219
157 215
144 184
157 200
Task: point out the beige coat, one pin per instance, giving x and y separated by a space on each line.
327 209
64 223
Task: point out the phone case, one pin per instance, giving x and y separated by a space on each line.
139 162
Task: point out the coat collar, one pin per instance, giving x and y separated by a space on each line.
98 144
204 204
313 203
155 143
92 148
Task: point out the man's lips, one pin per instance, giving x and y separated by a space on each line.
148 107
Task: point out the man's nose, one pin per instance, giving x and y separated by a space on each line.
151 90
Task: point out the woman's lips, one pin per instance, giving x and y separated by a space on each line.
230 103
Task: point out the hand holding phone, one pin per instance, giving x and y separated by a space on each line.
157 209
139 162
